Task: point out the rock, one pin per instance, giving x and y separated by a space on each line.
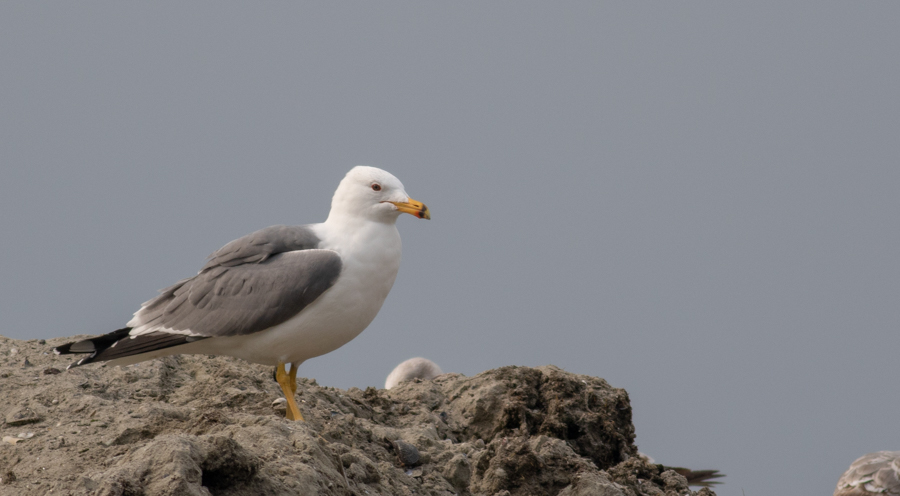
199 425
592 484
458 472
22 416
407 454
673 481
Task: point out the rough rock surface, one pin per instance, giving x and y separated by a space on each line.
198 425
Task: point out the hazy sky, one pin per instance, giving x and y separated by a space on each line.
698 202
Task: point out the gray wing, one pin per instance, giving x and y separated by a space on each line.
260 245
253 283
249 285
875 473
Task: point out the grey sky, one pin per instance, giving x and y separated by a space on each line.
697 202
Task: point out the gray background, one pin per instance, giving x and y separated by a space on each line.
697 202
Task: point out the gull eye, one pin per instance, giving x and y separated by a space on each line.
376 187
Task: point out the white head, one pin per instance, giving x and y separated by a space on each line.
414 368
374 194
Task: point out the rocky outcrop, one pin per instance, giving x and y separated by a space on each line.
198 425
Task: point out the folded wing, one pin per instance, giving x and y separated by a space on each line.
251 284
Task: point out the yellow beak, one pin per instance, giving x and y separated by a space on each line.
413 207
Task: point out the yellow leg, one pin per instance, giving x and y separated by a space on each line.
293 376
287 380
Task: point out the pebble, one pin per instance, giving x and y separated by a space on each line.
406 453
22 416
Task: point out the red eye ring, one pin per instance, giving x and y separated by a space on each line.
376 187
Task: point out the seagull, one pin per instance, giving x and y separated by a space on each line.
414 368
278 296
875 473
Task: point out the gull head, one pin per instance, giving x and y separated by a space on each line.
414 368
374 194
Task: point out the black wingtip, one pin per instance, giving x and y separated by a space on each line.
119 344
90 345
84 346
